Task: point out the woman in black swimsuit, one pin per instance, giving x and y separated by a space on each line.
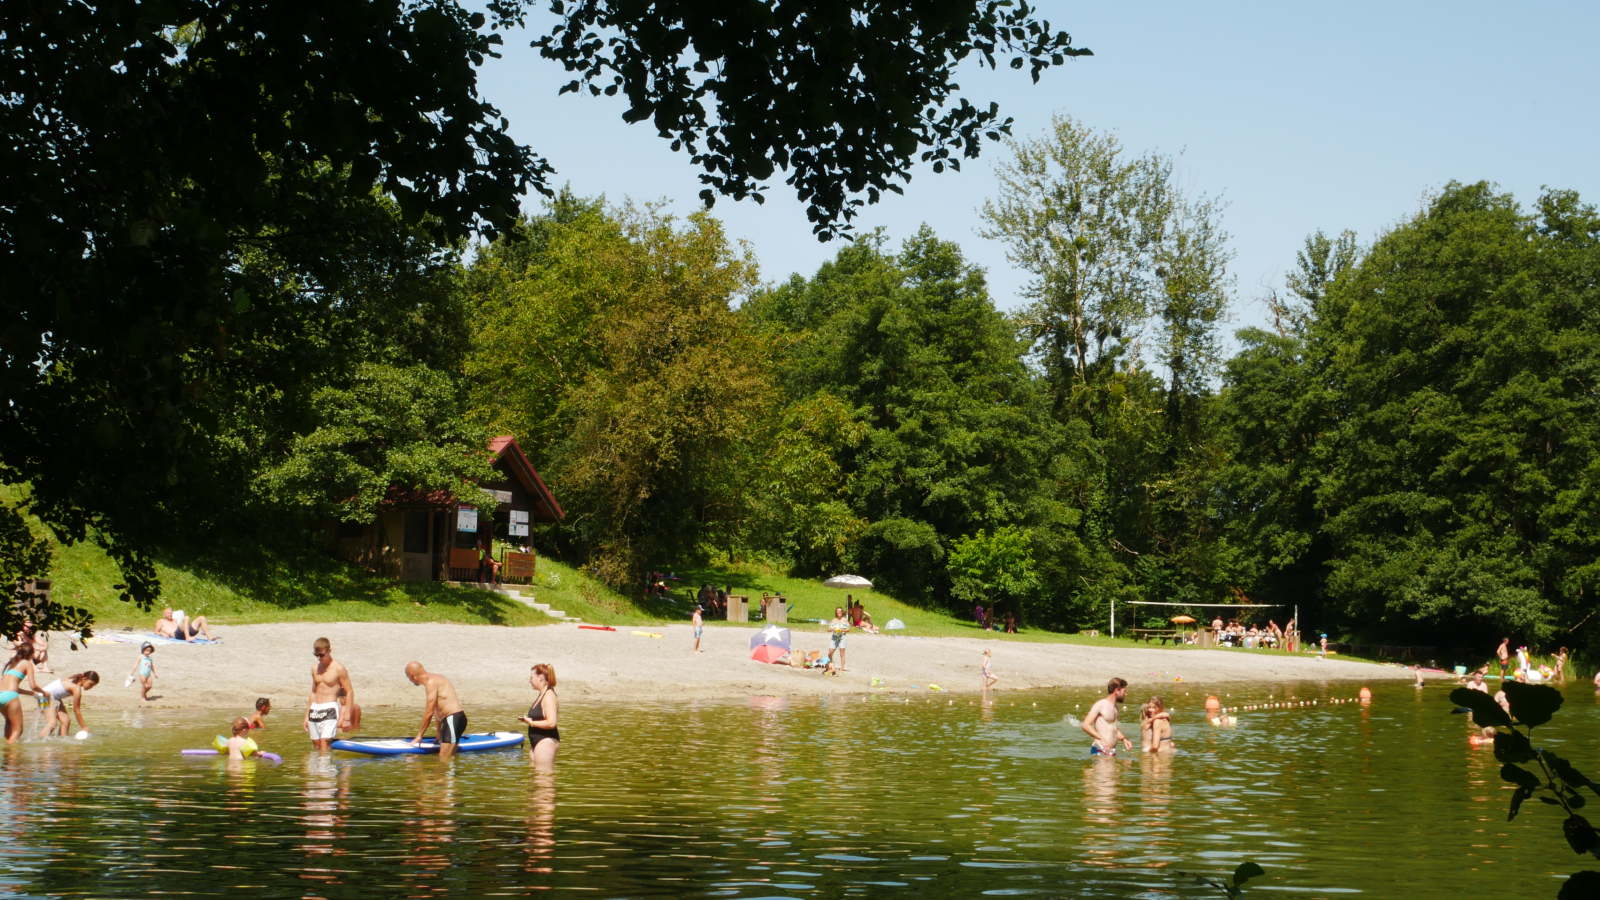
544 738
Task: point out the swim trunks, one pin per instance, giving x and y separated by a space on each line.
324 721
452 727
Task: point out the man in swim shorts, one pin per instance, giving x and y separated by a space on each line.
325 716
186 630
442 705
1503 652
1101 722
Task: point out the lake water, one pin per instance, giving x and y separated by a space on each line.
873 796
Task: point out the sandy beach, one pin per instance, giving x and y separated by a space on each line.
489 665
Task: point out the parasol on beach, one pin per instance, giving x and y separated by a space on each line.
1183 620
769 644
847 581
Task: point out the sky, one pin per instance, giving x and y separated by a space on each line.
1299 116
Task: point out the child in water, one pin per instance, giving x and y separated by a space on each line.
1155 727
989 677
145 671
241 733
257 718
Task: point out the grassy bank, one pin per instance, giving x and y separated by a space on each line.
255 583
258 584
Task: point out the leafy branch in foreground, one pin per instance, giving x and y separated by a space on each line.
1556 783
1233 887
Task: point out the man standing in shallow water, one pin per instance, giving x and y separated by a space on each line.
442 705
325 716
1101 722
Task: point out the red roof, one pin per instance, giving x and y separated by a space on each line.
504 448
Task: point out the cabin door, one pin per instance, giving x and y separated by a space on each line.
416 551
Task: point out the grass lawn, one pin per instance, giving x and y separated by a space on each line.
251 583
300 584
810 600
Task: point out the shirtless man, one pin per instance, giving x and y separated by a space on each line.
168 627
443 705
325 716
1503 652
1476 683
1101 722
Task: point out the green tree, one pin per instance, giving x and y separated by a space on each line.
845 95
153 148
956 437
984 565
1429 442
1124 265
654 393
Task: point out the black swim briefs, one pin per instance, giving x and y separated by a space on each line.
452 727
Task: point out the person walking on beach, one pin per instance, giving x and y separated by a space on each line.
699 627
57 720
19 667
544 738
1101 722
1503 653
837 629
989 678
442 705
145 670
325 715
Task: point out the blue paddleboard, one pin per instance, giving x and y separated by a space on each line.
497 740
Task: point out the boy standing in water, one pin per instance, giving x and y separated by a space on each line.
1101 722
257 719
325 714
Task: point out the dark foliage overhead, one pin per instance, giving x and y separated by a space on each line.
845 95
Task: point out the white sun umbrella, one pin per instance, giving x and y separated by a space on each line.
847 581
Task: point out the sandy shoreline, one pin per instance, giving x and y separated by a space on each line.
489 665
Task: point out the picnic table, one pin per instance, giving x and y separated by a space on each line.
1164 634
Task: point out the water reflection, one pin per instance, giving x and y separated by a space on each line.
794 798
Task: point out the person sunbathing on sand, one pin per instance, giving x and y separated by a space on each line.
184 630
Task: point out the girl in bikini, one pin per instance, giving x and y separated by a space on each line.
544 738
11 690
1155 727
58 721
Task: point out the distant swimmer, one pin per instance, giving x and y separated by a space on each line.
1155 727
1101 723
443 706
325 715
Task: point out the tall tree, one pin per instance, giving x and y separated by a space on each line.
956 438
153 146
618 347
1124 265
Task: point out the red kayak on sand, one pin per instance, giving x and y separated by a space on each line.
598 627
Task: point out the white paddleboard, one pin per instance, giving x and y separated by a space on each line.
496 740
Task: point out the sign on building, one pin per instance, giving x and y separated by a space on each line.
519 523
466 519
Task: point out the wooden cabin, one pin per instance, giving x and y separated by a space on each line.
433 536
